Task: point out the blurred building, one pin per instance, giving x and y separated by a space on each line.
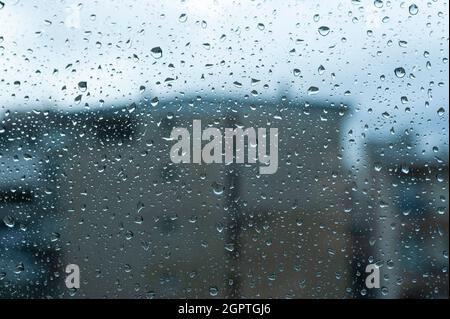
140 226
98 189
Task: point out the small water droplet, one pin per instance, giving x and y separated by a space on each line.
324 30
400 72
313 90
82 86
156 52
321 69
378 3
405 169
55 237
213 291
19 268
413 9
182 17
9 221
217 188
154 101
378 166
237 84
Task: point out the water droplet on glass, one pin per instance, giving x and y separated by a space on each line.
9 221
154 101
400 72
378 3
324 30
378 166
313 90
182 17
156 52
413 9
19 268
82 86
217 188
321 69
55 237
213 291
237 84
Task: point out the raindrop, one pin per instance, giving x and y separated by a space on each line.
217 188
182 17
378 166
400 72
229 247
378 3
154 101
413 9
82 86
405 169
213 291
321 69
324 30
19 268
9 221
78 99
156 52
313 90
237 84
55 237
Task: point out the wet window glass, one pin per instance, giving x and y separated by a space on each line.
224 149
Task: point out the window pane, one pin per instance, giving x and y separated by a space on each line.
224 149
